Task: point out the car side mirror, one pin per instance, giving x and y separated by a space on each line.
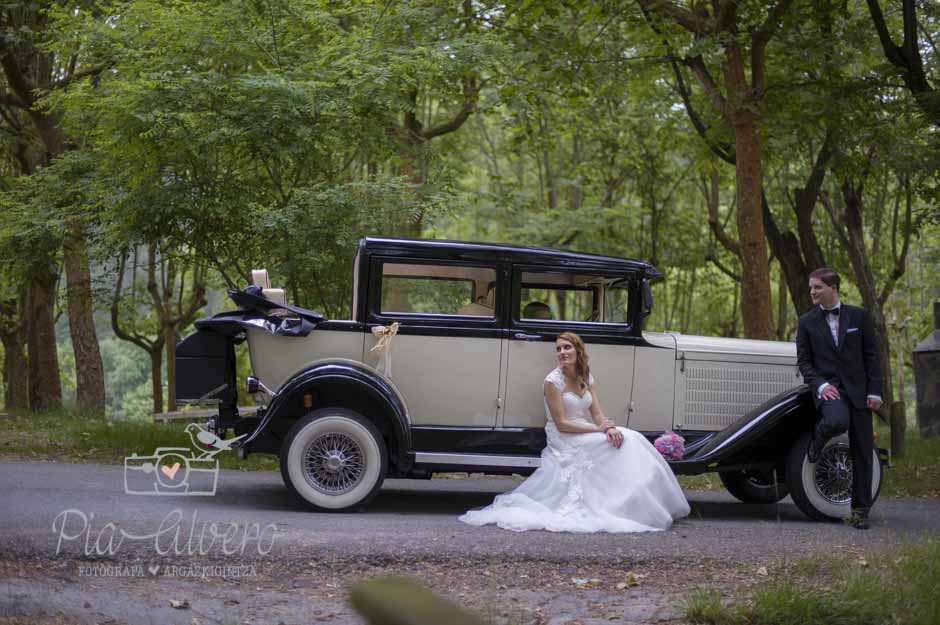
647 299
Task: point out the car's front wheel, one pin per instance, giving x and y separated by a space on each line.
823 490
754 486
334 459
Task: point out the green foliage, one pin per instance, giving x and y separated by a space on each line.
242 134
310 242
128 379
247 125
34 210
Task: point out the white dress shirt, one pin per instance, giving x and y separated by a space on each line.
833 321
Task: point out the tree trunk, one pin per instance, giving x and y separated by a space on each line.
782 306
756 305
690 297
898 428
799 257
898 408
45 387
13 326
654 232
169 338
15 372
89 371
156 377
411 156
865 280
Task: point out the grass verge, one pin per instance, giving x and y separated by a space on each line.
899 588
917 472
66 436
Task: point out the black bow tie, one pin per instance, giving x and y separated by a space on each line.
832 311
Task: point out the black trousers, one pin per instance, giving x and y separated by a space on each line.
837 416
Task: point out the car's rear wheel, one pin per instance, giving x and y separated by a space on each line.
823 490
754 485
334 459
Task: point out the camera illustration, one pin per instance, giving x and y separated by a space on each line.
171 471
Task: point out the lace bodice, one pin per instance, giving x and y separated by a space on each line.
577 407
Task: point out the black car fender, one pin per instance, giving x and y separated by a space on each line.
758 436
340 383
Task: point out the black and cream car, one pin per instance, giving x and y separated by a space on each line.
441 367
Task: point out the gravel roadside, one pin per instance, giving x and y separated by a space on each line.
411 529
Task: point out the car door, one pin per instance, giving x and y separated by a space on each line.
445 358
548 301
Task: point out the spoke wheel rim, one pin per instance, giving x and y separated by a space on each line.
333 463
833 474
758 479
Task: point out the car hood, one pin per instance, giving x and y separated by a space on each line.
715 348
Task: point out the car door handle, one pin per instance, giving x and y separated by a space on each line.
527 337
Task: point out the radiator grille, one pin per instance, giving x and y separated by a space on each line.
717 395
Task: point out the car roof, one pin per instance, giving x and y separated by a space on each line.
489 252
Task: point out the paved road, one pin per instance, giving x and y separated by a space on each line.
409 520
411 528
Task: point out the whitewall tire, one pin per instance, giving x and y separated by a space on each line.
334 460
823 490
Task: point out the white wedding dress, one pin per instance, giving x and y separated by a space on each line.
585 484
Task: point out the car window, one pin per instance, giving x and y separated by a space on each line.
557 296
438 289
355 287
617 302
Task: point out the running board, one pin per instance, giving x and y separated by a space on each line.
477 460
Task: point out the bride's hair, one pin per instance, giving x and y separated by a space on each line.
582 372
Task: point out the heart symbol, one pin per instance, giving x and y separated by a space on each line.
153 569
170 472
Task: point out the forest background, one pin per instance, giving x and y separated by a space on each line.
153 152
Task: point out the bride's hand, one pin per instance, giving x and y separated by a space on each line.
615 436
605 425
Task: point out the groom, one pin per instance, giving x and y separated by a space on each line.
836 353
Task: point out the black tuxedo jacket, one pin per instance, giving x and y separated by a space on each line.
852 367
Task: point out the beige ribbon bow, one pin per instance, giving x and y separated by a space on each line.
384 334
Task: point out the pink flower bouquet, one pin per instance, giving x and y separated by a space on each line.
670 445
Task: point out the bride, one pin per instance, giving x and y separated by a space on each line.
594 476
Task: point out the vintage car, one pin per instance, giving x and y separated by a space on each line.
441 368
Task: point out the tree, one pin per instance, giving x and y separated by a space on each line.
738 101
32 72
230 142
174 302
906 59
30 240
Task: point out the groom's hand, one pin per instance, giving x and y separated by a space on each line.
830 392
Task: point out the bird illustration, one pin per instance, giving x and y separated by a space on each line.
207 442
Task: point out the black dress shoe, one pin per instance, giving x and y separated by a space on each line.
859 519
